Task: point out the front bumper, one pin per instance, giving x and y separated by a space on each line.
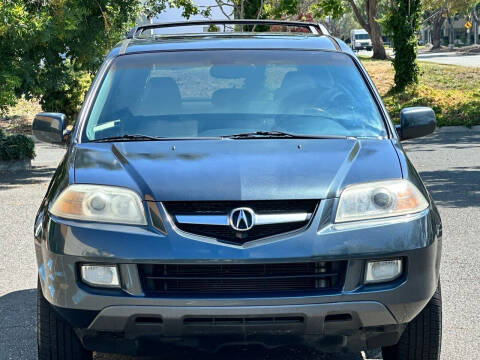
138 330
357 317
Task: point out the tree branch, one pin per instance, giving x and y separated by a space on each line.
220 6
260 10
359 16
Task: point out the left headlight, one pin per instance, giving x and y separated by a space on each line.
380 199
100 203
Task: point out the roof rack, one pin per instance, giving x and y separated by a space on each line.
313 27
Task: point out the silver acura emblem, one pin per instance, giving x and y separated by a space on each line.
242 219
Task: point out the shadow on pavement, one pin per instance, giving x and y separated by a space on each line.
448 140
458 186
454 188
35 175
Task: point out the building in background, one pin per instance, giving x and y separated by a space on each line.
453 33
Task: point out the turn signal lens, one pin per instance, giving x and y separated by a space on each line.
100 203
380 199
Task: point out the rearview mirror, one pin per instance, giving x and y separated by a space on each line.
48 127
416 122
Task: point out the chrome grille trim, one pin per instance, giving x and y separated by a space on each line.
260 219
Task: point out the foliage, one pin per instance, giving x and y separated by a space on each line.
452 91
451 6
277 9
52 48
151 8
367 14
12 39
323 8
402 22
16 147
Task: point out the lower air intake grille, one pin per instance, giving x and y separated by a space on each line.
242 279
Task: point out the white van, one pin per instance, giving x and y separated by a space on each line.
360 39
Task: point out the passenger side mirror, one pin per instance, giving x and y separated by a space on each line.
416 122
48 127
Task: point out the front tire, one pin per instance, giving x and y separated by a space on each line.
422 339
56 339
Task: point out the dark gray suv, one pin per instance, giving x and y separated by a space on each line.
236 188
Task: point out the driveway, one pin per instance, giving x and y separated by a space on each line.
448 162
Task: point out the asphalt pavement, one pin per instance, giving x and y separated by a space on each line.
449 163
451 58
447 58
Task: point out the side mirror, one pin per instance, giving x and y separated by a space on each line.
416 122
48 127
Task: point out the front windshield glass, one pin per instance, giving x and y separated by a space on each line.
225 92
362 37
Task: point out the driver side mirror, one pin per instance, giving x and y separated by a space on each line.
416 122
49 127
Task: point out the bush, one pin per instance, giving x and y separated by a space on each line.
16 147
451 91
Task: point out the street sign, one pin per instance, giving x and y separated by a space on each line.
468 25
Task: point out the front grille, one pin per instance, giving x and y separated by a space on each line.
242 279
226 233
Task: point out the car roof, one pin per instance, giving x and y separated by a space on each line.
231 40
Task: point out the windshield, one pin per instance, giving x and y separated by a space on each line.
225 92
362 37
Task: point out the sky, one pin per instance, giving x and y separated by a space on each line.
176 15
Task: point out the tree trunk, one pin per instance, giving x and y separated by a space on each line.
451 33
371 26
377 42
475 21
437 31
375 33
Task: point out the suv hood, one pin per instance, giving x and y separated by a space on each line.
247 169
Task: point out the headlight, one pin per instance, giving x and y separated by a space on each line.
100 203
378 200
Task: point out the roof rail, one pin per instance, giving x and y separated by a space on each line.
313 27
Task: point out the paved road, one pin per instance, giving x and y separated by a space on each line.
448 162
451 59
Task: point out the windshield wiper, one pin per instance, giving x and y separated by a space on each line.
127 137
280 134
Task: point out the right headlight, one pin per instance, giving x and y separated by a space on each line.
379 199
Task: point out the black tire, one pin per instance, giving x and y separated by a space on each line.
422 339
56 339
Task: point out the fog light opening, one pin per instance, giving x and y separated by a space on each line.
100 275
383 271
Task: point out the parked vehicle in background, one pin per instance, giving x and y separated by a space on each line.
236 188
360 40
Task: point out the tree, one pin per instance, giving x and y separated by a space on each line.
403 21
366 14
476 21
51 49
12 40
439 10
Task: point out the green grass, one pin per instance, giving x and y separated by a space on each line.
452 91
